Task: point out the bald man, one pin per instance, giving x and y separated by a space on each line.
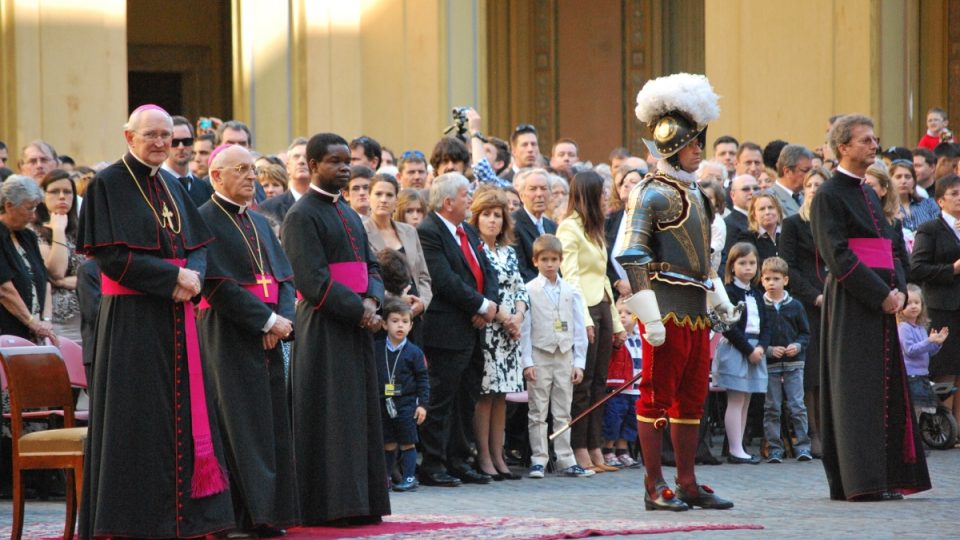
247 309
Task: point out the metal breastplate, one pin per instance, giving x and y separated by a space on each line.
668 232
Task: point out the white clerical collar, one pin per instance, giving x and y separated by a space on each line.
668 169
335 196
841 170
153 169
243 207
785 188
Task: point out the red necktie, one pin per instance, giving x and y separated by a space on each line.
471 257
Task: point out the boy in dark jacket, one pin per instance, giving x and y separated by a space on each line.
789 336
403 377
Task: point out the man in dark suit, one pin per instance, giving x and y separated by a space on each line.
529 222
794 163
276 208
464 288
742 189
934 264
525 148
177 165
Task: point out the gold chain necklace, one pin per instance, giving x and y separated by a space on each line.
257 257
166 222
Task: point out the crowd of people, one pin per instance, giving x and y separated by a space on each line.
288 329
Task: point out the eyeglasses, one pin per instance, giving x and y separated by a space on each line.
184 142
524 128
65 192
750 188
412 154
242 169
157 135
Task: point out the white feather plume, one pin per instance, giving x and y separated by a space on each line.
691 94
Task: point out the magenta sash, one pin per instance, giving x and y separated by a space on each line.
209 477
873 252
271 297
351 274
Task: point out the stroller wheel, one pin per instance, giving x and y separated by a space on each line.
938 430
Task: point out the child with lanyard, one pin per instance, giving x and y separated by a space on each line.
402 373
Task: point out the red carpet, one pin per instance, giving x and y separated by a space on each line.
438 527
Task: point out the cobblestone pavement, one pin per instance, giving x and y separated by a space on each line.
789 500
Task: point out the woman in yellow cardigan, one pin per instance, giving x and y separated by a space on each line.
584 267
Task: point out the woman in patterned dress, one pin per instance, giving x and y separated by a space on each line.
502 372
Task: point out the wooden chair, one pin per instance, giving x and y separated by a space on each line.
37 378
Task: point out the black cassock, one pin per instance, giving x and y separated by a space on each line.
249 384
140 446
333 379
871 443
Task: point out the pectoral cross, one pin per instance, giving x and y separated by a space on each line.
264 281
167 217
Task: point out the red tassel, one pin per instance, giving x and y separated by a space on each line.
209 478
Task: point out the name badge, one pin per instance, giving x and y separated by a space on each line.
389 390
559 326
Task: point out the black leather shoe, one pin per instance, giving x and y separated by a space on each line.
877 497
666 499
752 460
270 532
704 498
471 476
510 476
440 479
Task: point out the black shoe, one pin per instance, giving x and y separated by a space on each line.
752 460
707 459
510 475
877 497
440 479
471 476
365 520
270 532
704 498
666 499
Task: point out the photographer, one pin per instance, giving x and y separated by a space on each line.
451 154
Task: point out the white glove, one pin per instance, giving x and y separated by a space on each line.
644 305
718 301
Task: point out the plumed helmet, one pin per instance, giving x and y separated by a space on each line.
677 109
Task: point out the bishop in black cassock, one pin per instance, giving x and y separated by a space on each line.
338 441
152 469
871 444
247 307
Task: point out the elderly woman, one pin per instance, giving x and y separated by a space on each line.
807 276
584 268
383 232
56 227
935 264
502 369
557 203
717 196
411 207
25 307
764 217
914 210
